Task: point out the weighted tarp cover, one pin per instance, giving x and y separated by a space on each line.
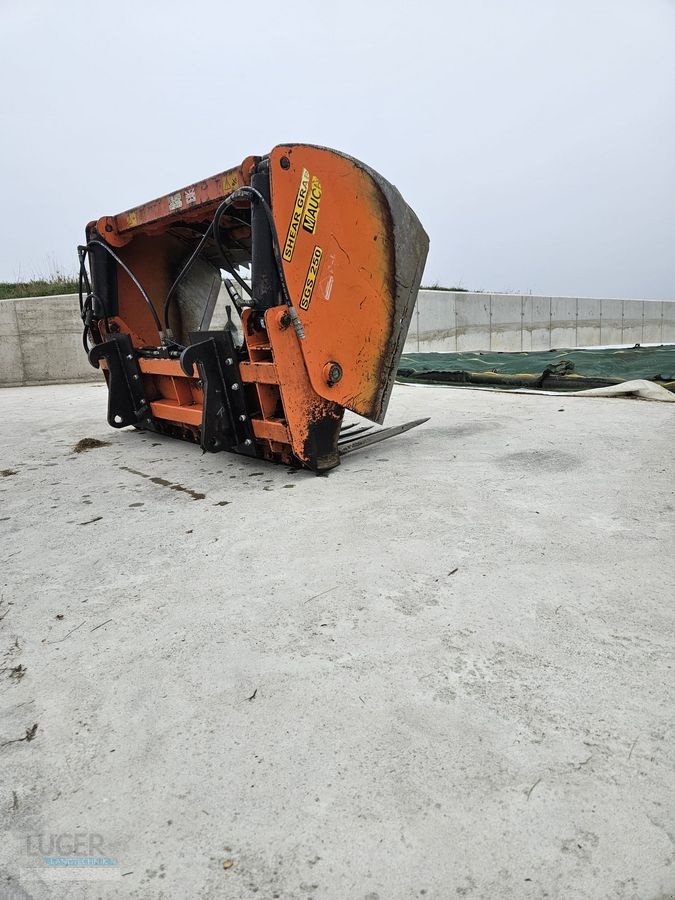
547 369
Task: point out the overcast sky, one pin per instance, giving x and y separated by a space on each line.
535 139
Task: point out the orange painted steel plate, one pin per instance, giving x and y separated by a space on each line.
261 372
340 256
270 430
174 412
161 367
187 204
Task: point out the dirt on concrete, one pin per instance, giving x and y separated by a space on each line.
88 443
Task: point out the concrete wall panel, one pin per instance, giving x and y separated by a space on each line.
632 322
8 322
588 322
611 323
411 344
563 322
652 321
668 332
473 321
41 341
48 315
55 358
537 324
506 332
11 360
436 326
526 323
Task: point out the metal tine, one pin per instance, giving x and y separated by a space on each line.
352 434
381 435
350 427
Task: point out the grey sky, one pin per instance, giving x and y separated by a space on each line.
535 139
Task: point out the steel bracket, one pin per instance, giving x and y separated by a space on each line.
225 421
127 404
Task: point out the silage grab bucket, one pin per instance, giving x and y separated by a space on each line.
336 258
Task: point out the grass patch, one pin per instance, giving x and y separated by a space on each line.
441 287
39 287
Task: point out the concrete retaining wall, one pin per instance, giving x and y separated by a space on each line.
41 342
41 337
453 320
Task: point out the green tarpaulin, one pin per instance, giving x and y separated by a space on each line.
547 370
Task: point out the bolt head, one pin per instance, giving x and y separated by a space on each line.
235 387
248 442
332 372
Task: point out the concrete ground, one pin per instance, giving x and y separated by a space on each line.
445 670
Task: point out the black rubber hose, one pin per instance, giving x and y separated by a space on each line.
239 194
223 252
256 195
86 305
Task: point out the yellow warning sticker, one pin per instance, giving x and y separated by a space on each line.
230 181
296 216
312 273
312 209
